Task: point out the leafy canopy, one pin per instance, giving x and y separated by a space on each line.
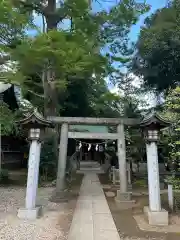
158 49
7 120
45 62
171 138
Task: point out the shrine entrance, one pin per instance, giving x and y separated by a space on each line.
151 125
118 134
87 151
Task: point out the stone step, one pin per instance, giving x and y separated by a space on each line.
89 163
90 169
90 166
85 171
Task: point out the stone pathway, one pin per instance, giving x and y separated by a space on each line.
92 219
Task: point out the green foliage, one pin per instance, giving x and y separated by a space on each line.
62 52
4 176
102 101
158 49
7 120
48 161
170 138
174 181
12 24
173 105
55 55
142 183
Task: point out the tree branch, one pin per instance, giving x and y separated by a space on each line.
36 94
30 6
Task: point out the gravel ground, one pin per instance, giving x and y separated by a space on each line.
47 227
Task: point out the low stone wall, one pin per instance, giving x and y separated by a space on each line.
114 176
143 168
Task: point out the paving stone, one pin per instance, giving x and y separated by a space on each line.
103 221
92 218
106 235
110 194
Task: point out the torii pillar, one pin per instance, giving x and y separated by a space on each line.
123 195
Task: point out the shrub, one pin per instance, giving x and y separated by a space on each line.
174 181
48 160
141 183
4 176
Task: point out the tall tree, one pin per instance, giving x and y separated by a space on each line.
158 49
63 55
89 32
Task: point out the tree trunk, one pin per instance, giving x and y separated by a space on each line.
51 102
50 91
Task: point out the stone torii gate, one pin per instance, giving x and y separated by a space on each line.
122 194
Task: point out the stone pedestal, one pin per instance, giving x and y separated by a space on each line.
124 197
36 124
31 211
151 126
29 214
157 218
33 173
156 215
170 196
153 177
60 196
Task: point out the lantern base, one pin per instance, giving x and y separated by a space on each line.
60 196
124 197
30 214
159 218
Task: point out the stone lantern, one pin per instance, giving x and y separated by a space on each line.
151 126
36 125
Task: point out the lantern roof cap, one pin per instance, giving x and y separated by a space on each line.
154 118
35 120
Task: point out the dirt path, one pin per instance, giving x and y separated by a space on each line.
123 217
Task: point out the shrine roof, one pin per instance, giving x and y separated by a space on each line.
35 119
17 94
154 118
